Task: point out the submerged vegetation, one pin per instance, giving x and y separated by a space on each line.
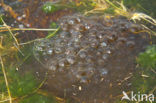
144 79
23 86
147 59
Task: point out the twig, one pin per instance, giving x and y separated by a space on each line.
52 34
18 49
32 41
153 70
47 37
149 30
3 101
27 29
6 81
10 31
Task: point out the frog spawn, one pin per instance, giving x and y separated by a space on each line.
90 55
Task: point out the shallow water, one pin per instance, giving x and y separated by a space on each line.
91 57
90 60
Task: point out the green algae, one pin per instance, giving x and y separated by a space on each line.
81 6
147 59
49 8
20 85
38 98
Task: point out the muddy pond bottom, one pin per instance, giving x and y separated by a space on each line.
91 59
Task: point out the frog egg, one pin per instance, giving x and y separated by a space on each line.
65 27
78 19
103 44
63 34
61 63
100 61
94 43
82 54
130 44
86 55
70 50
38 48
93 31
50 51
52 67
76 34
70 59
76 39
90 69
81 27
87 27
108 51
84 43
105 56
89 59
71 22
58 50
58 42
111 39
77 44
61 24
84 74
77 27
122 39
100 35
83 80
72 31
103 71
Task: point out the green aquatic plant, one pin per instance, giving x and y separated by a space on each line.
143 79
54 25
38 98
20 85
1 22
23 87
17 84
147 59
79 6
143 82
50 8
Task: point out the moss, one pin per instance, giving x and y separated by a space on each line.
147 59
53 25
50 8
20 85
80 6
1 16
37 98
143 79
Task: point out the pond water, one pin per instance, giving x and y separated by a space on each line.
90 59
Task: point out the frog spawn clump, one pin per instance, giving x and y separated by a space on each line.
90 55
